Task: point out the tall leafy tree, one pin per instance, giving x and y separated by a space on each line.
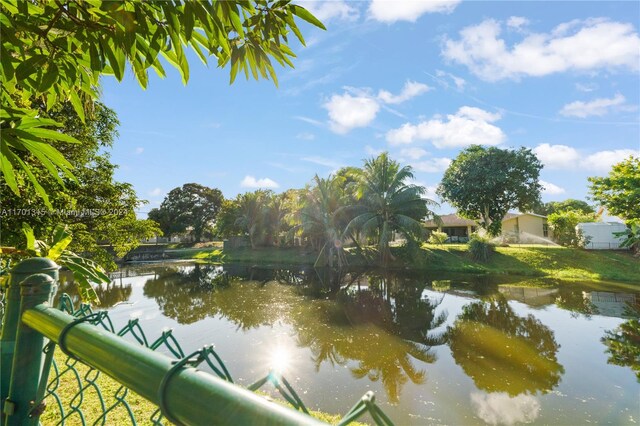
191 207
564 222
98 210
619 192
226 221
561 206
483 184
56 52
388 203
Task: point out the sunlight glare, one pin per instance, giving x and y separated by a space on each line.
280 359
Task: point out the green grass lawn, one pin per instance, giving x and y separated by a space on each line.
529 260
532 260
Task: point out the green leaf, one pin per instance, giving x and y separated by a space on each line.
28 233
39 189
30 66
49 78
77 104
294 28
7 169
7 65
58 248
116 60
303 13
60 232
188 22
37 133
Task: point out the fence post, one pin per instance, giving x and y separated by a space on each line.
20 358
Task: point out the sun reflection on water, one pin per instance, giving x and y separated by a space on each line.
280 359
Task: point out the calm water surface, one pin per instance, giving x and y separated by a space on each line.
434 349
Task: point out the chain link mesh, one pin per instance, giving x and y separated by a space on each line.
77 394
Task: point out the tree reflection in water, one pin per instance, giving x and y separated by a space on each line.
186 294
503 352
383 323
109 295
623 343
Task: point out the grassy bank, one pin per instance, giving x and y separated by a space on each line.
555 262
533 260
92 409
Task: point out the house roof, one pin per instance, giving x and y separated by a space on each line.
453 219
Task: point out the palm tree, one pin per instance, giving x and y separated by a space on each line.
322 219
387 203
277 210
251 208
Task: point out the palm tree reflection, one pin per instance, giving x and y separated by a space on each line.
382 323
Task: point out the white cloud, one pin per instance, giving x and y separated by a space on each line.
588 45
347 112
316 123
603 161
408 10
155 192
306 136
466 127
458 81
431 193
588 87
432 165
358 106
597 107
372 151
566 157
517 22
557 156
328 10
413 153
139 150
500 408
410 90
252 182
551 189
322 161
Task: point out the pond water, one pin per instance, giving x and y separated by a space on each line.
435 349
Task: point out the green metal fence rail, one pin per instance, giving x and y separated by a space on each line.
31 376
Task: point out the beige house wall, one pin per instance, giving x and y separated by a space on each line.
526 224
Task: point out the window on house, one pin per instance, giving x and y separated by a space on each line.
545 230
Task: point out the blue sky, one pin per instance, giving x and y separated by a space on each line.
419 79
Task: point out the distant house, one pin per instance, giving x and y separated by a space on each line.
516 227
453 225
602 235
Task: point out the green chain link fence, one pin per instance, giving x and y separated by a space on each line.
86 381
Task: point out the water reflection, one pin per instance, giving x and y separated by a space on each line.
623 343
501 408
381 322
109 295
503 352
386 327
186 294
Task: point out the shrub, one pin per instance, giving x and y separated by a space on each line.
437 237
480 248
564 225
